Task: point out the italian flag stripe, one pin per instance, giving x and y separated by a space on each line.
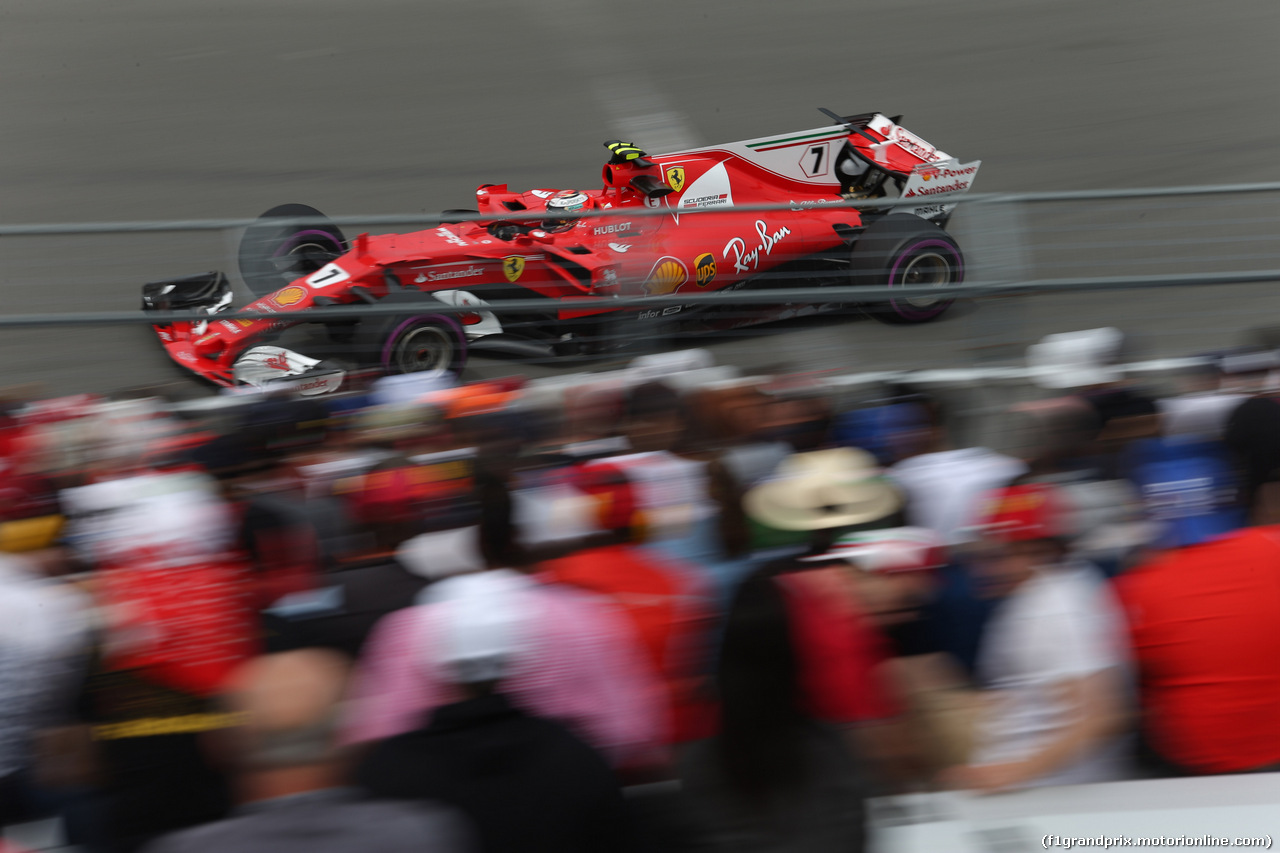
777 143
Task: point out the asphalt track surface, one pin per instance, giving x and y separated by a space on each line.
148 110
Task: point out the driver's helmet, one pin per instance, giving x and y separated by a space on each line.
559 208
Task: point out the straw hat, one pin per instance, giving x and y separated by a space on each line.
823 490
838 461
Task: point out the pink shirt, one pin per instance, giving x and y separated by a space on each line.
583 666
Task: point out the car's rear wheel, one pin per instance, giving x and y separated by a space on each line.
274 253
900 251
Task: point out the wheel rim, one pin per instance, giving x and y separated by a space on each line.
928 269
304 258
425 349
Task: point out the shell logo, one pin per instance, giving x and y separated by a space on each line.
289 296
666 277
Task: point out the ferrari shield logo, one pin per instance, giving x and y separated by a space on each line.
513 267
675 177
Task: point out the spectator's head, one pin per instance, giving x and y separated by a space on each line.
803 420
653 417
445 553
1023 531
897 424
400 499
1253 436
611 507
483 621
394 425
593 506
1124 415
1052 433
592 410
288 708
1203 376
823 490
734 412
498 436
893 569
1249 370
259 438
1077 360
1088 363
1266 500
386 505
919 424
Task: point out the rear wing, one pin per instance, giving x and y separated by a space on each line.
865 156
881 149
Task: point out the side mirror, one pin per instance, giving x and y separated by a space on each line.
650 186
209 291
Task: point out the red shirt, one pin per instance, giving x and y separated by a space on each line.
186 627
840 653
670 617
1205 626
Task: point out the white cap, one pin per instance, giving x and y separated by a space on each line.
406 388
1076 359
663 365
443 554
898 549
483 621
550 514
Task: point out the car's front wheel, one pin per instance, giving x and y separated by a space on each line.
417 343
275 251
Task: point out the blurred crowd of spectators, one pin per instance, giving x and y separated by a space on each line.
664 608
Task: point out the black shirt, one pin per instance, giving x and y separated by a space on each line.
342 612
916 635
527 783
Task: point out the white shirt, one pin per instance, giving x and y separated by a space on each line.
673 492
177 513
43 624
944 489
1062 624
1198 416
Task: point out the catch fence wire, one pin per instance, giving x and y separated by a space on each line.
533 216
745 298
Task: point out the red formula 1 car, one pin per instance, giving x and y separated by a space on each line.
659 225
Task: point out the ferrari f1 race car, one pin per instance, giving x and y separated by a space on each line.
659 226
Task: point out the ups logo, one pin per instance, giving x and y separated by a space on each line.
704 269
